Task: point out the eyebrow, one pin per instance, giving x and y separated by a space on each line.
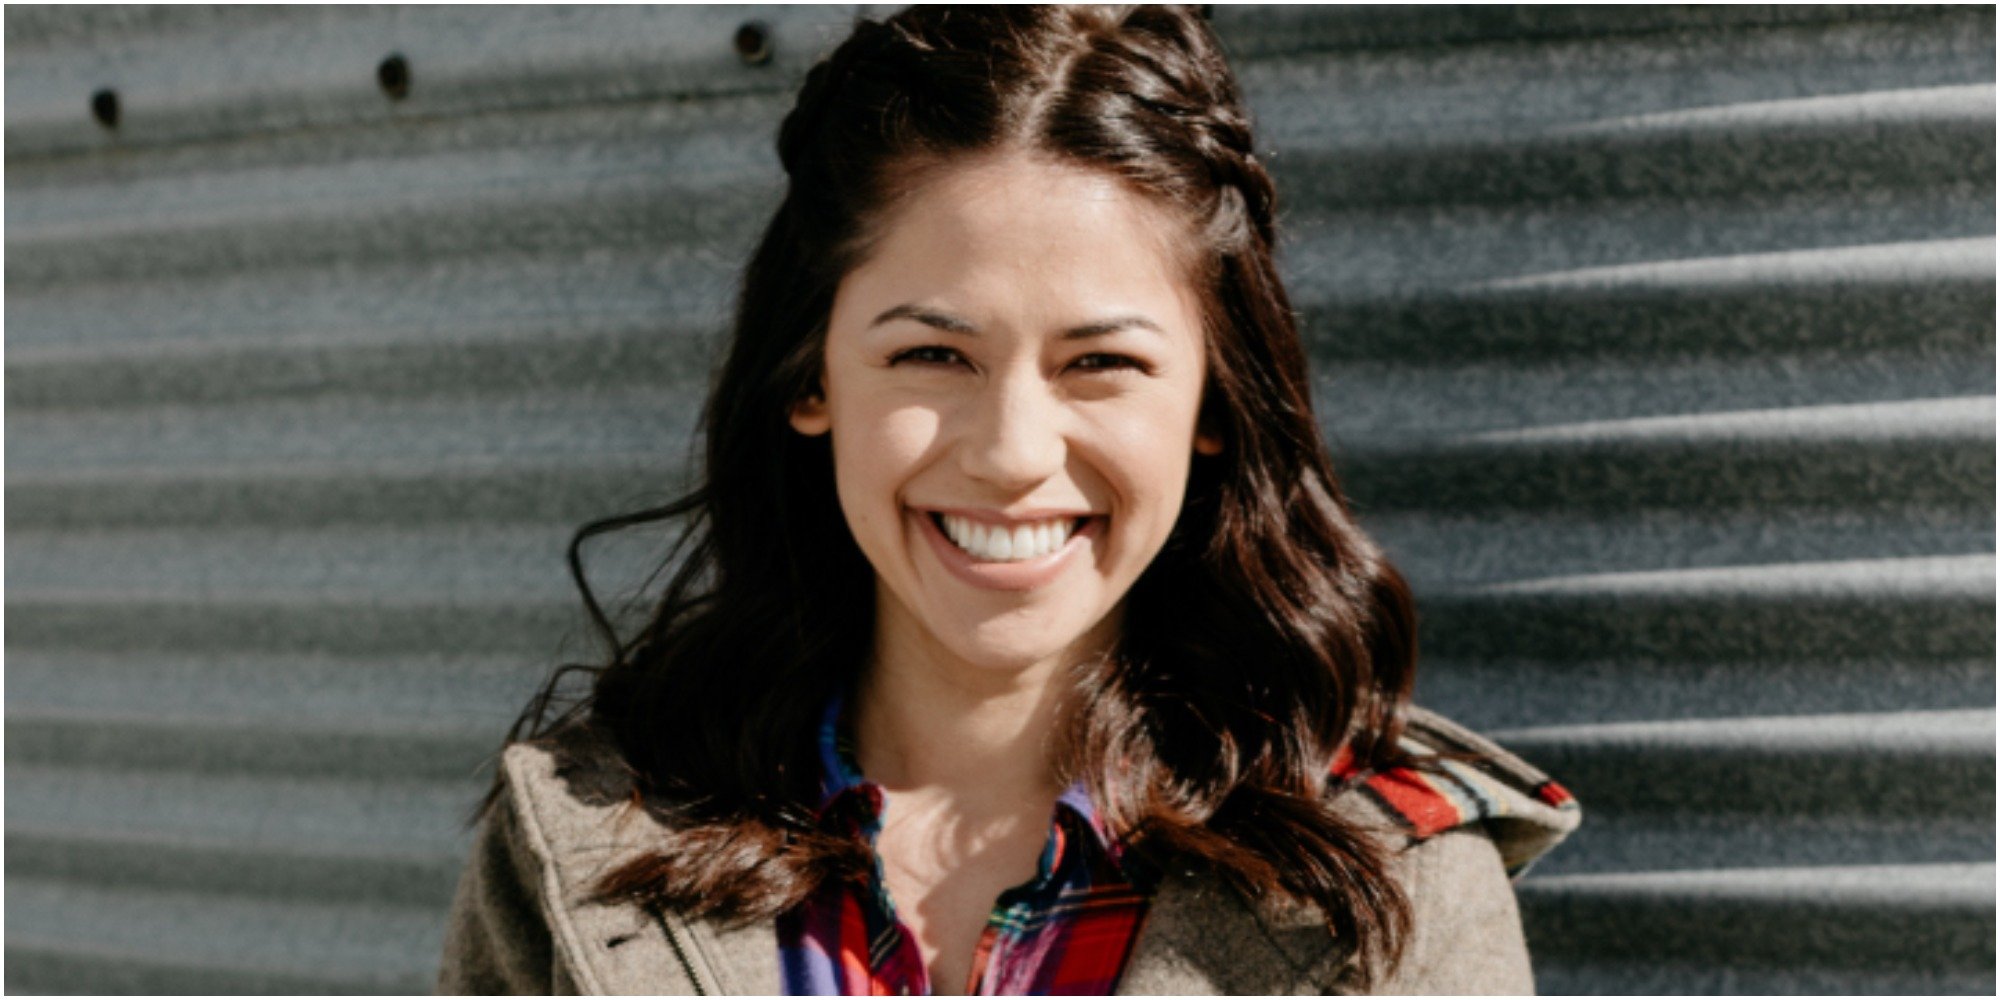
952 324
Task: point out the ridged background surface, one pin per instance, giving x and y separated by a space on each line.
1657 344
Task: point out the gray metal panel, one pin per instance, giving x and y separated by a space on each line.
1656 343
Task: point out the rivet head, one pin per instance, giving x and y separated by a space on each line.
393 75
104 108
753 43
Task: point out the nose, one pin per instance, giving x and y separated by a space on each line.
1015 436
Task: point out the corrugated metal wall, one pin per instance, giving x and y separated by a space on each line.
1657 344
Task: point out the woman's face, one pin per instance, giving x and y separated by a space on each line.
1012 380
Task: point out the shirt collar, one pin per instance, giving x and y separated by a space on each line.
838 772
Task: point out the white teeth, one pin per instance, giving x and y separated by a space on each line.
993 543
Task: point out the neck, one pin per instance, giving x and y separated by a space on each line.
981 737
922 730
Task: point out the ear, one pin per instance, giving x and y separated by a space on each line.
809 416
1207 443
1208 440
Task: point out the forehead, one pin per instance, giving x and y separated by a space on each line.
1026 236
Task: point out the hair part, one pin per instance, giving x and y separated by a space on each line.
1267 635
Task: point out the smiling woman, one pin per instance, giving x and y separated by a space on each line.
1021 640
1019 383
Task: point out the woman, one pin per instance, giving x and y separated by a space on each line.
1020 639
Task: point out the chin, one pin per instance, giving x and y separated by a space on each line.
1015 642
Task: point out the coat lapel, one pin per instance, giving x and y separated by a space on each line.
732 961
623 950
1200 938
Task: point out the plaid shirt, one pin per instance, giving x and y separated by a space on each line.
1067 931
1071 928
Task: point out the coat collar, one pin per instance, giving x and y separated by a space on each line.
1198 937
572 797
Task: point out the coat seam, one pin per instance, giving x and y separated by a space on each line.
553 893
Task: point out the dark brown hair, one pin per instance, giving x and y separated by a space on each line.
1267 634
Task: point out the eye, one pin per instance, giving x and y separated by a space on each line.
1108 362
927 355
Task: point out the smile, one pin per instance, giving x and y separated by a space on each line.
1007 543
1038 562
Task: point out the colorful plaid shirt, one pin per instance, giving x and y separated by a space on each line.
1066 931
1070 929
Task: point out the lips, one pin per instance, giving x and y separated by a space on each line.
1016 542
1044 562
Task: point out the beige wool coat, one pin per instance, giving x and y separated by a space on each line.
523 922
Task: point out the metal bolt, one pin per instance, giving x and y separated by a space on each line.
104 108
394 76
753 43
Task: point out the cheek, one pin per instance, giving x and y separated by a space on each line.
876 452
1149 449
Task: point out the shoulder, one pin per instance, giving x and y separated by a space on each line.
1462 821
571 801
563 819
573 795
1465 925
1460 781
1453 826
